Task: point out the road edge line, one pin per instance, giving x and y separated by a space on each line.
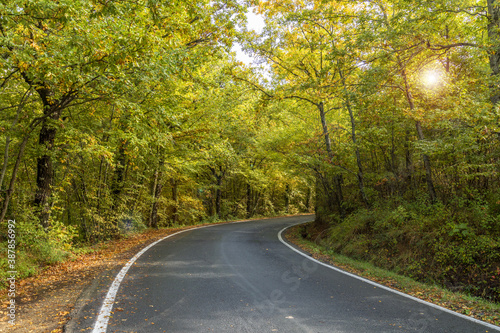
378 285
101 324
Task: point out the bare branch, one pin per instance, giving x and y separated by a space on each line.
301 98
254 85
437 47
8 77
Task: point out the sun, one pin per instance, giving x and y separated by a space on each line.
431 78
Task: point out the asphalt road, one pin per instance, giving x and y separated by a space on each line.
242 278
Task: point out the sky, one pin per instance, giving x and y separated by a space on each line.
256 23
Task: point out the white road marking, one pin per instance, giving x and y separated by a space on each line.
280 237
101 325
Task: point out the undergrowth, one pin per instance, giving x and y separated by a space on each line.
37 248
456 246
469 305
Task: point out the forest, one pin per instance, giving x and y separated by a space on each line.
381 116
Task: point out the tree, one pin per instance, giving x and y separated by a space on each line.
494 55
77 53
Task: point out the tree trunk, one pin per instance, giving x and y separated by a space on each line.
494 54
8 140
155 219
287 199
408 162
5 161
34 124
156 192
153 216
249 200
52 110
308 199
119 178
326 133
10 190
427 164
175 199
337 179
45 169
218 195
361 182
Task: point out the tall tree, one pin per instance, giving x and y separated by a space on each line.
494 54
78 52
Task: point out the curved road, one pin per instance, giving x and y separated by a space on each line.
241 278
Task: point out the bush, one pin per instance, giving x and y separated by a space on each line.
36 247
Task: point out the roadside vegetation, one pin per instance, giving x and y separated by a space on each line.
457 301
456 246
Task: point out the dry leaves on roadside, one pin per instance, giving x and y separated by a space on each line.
45 300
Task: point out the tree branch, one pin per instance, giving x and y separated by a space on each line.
438 47
254 85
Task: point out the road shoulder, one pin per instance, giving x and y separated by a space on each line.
464 305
